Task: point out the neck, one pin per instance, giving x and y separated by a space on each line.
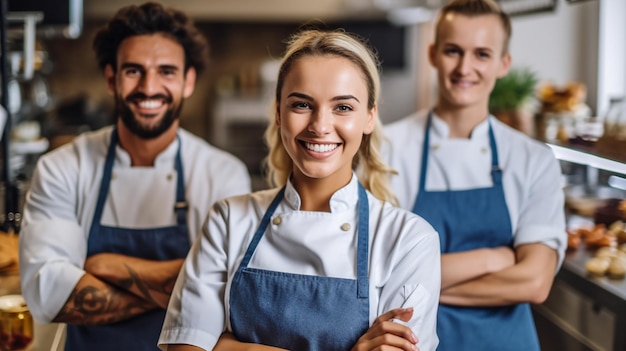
143 152
315 193
461 120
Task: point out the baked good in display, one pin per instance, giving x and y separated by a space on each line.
613 210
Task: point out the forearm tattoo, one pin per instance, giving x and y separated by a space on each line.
91 305
156 291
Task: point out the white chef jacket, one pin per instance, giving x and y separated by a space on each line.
404 260
531 176
62 199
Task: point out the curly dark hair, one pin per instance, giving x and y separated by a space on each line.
151 18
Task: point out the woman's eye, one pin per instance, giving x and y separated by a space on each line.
344 108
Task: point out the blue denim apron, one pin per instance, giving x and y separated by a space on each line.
467 220
141 332
301 312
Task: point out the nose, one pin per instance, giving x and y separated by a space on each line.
464 64
149 83
321 122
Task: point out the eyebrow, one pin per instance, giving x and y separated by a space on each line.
335 98
141 67
453 45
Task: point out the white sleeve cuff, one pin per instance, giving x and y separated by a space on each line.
549 236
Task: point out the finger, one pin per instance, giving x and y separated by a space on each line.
399 313
392 342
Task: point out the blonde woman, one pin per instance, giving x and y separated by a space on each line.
324 261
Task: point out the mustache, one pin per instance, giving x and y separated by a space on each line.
142 96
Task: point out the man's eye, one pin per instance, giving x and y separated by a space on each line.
300 105
132 72
451 51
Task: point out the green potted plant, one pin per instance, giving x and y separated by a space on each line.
511 96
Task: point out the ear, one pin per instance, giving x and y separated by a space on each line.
277 113
505 65
190 82
371 120
109 75
432 51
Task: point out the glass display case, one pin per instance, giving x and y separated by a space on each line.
586 312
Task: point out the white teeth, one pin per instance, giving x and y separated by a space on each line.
321 147
150 103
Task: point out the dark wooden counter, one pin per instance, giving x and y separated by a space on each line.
588 309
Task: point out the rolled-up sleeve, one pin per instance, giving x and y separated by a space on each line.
542 216
52 245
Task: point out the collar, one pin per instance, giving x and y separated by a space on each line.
164 159
440 129
342 200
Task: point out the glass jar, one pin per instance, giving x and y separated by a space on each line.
615 118
16 324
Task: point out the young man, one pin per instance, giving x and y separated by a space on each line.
493 194
110 217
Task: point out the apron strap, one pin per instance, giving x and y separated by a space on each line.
105 182
261 229
496 171
363 245
181 205
425 149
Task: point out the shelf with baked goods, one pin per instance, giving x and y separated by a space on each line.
586 309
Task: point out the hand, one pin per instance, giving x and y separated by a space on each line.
500 258
386 335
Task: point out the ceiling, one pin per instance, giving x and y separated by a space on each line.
279 10
246 10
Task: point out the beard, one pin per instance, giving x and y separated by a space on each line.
135 126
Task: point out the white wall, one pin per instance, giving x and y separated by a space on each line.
562 45
398 87
611 52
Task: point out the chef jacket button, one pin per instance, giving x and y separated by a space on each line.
169 176
277 220
484 150
113 176
435 147
345 227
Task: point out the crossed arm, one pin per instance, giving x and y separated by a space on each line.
382 333
117 287
500 276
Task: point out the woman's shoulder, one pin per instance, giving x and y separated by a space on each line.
257 202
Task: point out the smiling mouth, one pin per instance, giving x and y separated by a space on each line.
150 104
320 147
462 82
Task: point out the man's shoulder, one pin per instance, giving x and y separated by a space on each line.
518 141
87 143
201 151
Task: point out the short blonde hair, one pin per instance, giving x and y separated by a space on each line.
372 171
474 8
